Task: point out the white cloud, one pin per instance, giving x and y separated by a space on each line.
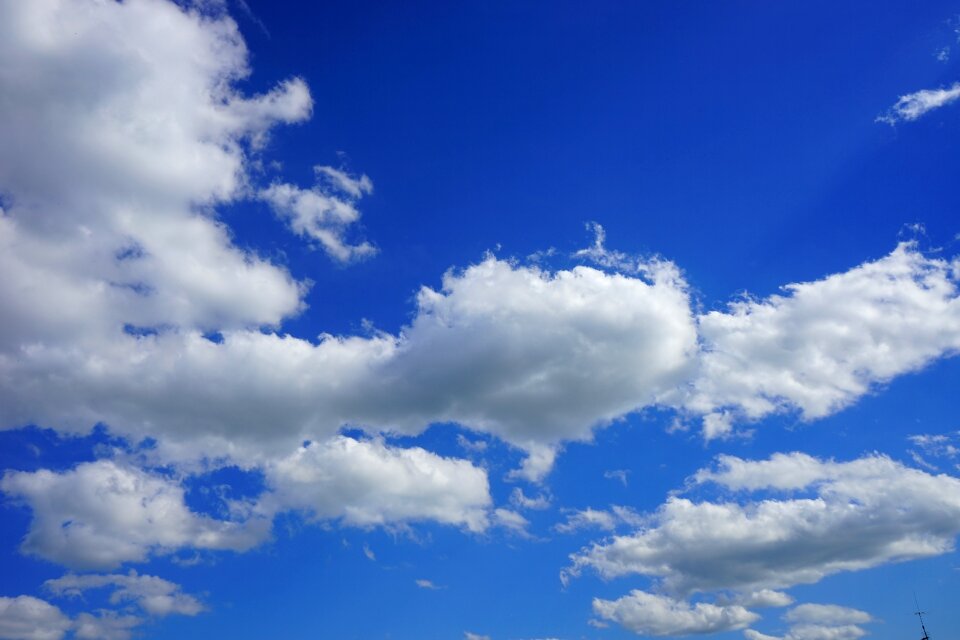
649 614
102 514
155 596
620 475
324 212
598 518
511 520
423 583
913 105
29 618
474 636
826 614
366 483
819 622
851 516
824 344
764 598
105 625
522 501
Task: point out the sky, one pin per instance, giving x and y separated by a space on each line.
479 321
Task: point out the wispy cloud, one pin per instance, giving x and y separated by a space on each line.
914 105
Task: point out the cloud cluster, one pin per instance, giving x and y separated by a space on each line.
847 516
154 595
819 622
650 614
102 514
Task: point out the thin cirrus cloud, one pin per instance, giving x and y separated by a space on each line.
915 105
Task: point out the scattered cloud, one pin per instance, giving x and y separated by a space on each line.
522 501
914 105
474 636
427 584
621 475
850 516
102 514
324 212
819 622
511 520
29 618
155 596
590 518
649 614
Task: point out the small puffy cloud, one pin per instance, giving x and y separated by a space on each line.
474 636
102 514
914 105
105 625
826 614
650 614
590 518
824 344
520 500
368 552
367 483
850 516
819 622
29 618
423 583
764 598
155 596
324 212
511 520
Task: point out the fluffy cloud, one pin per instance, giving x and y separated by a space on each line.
29 618
913 105
819 622
598 518
324 212
102 514
649 614
155 596
366 483
824 344
852 515
105 625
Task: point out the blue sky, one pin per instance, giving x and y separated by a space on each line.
500 321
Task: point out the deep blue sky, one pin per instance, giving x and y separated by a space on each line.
738 141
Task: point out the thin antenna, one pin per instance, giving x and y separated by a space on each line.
919 614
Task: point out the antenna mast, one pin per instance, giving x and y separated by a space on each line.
919 614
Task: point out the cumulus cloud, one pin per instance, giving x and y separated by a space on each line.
650 614
846 516
323 212
366 483
819 622
522 501
105 625
914 105
824 344
102 514
154 595
29 618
